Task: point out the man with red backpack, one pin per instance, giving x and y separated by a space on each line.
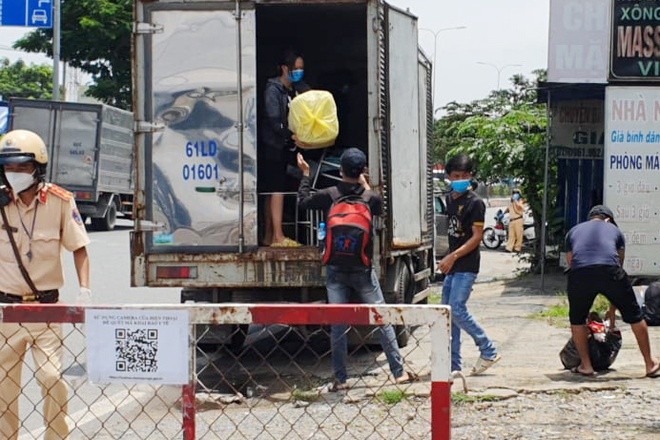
349 208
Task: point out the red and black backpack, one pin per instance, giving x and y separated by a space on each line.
348 231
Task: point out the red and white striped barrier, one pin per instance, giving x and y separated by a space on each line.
437 317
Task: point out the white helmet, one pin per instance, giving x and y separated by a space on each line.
20 146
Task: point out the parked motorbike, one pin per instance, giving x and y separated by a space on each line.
494 236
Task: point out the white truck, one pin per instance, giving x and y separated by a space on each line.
199 70
90 153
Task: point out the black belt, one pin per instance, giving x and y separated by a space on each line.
43 296
517 218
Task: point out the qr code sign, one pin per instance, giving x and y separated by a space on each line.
136 350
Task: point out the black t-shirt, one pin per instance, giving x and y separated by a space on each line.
464 212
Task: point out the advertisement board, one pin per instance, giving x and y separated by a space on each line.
632 172
577 128
578 46
635 48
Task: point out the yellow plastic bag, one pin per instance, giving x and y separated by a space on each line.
313 118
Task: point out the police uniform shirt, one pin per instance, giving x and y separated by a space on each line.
58 224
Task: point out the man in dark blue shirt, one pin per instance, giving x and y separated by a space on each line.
595 254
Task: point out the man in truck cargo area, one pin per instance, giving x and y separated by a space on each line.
38 220
341 282
466 212
276 144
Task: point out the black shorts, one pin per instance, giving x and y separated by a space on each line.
610 281
272 175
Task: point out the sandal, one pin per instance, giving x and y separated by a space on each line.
576 370
654 372
406 378
484 364
287 242
338 386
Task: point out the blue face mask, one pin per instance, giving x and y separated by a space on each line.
516 196
460 186
296 75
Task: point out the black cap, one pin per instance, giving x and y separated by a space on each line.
604 211
353 161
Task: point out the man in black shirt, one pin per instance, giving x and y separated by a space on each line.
466 222
362 280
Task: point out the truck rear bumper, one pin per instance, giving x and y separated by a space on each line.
263 268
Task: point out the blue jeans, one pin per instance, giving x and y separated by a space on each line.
340 284
456 291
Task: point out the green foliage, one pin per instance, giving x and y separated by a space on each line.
96 37
391 397
557 314
304 396
464 399
19 80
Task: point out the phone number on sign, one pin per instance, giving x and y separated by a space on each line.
200 171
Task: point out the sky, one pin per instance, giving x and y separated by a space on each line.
497 32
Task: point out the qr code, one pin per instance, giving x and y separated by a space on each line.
135 350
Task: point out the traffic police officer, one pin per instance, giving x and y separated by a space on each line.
42 218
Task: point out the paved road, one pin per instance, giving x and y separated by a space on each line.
110 272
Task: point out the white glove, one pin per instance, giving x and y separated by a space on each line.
84 296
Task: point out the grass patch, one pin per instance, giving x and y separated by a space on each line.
305 396
391 397
465 399
557 314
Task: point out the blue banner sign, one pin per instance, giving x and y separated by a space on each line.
32 13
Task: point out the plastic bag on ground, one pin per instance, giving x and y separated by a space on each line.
313 118
602 350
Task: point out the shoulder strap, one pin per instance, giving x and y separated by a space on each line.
17 254
337 196
334 193
58 191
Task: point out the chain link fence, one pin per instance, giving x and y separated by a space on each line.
272 378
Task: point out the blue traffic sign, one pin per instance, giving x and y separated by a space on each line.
33 13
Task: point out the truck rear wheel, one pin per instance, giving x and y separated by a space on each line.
405 290
107 222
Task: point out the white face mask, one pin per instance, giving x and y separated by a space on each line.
19 182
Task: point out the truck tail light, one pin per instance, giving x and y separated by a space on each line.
176 272
83 195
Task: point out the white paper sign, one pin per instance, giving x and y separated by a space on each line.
137 346
632 172
578 48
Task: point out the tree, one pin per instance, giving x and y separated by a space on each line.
506 134
22 81
96 37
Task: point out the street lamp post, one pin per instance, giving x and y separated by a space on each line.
499 69
435 49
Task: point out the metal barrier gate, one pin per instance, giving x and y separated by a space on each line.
277 385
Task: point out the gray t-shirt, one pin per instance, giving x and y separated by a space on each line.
595 243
